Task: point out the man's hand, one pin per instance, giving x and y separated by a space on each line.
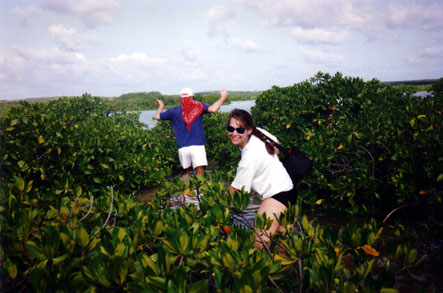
217 104
161 106
224 94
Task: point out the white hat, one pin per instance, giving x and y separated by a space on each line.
187 92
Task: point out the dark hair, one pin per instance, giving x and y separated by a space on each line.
245 120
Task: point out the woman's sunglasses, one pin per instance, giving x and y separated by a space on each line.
239 130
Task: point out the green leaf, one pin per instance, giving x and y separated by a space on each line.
305 223
368 268
21 184
418 278
388 290
121 234
148 262
228 261
284 260
32 247
158 228
28 189
412 255
120 249
78 191
170 246
82 237
11 268
157 282
183 242
199 286
59 259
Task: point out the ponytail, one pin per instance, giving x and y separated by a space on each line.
269 145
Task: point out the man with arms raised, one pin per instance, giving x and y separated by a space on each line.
187 122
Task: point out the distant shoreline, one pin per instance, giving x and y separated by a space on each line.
232 93
411 82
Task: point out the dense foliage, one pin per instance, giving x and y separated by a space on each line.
70 221
374 147
437 88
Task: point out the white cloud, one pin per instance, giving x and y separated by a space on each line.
314 13
321 57
133 68
31 72
243 45
70 39
189 52
51 55
416 14
367 17
91 12
22 14
220 18
221 21
139 59
220 14
433 52
319 35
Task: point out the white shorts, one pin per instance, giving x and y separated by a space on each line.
194 155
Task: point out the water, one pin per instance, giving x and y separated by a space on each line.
421 93
147 117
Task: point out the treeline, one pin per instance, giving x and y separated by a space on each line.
412 82
146 100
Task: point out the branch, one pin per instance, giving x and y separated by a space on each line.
400 207
301 274
385 147
372 158
90 208
259 237
110 209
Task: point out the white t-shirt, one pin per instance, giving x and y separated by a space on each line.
260 171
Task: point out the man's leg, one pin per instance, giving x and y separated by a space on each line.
200 170
186 173
185 161
199 160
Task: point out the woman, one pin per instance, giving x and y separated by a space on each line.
260 169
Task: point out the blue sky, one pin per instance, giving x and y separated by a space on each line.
112 47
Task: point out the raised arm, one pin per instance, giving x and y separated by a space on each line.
160 108
217 104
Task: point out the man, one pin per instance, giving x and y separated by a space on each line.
187 122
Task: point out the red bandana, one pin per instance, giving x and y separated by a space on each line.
191 110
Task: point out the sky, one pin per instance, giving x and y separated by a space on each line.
110 47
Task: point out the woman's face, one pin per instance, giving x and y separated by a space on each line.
238 139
